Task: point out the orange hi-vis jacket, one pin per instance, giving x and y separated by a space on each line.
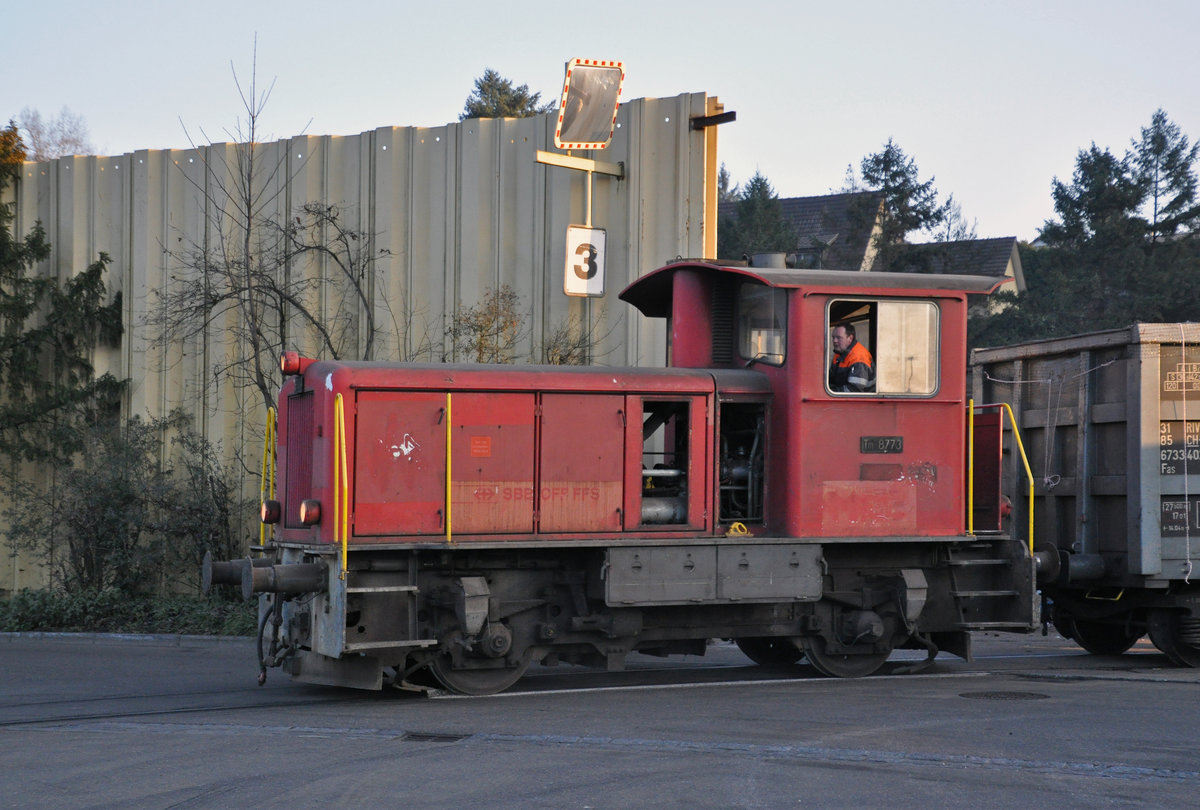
853 371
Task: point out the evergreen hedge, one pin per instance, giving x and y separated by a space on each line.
110 611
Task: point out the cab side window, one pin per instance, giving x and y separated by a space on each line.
882 347
762 323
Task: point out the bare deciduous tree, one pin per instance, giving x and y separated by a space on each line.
572 342
270 278
490 331
50 138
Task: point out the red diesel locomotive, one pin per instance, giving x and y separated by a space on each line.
466 521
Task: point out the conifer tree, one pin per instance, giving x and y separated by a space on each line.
495 97
1163 164
48 332
758 224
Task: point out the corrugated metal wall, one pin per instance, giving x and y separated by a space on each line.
456 209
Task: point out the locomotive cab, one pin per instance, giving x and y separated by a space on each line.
881 462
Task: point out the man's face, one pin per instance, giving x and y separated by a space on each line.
841 340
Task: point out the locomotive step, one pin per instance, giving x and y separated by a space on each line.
384 589
973 594
981 543
384 645
986 561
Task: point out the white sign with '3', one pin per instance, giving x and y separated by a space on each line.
585 261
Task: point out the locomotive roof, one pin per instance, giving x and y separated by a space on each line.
651 293
522 377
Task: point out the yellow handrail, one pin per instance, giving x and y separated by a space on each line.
1024 460
970 466
341 484
448 489
266 486
1020 446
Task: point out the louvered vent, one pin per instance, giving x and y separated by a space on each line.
722 321
298 470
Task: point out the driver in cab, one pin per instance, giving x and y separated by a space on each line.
852 368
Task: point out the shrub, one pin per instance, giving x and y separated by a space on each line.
108 610
121 517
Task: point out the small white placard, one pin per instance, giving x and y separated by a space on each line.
585 261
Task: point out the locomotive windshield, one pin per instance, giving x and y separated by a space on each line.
762 323
882 347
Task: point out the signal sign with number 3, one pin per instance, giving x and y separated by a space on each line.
585 261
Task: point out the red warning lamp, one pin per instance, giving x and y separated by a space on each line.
270 512
289 363
310 512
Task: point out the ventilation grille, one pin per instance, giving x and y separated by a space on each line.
722 322
298 472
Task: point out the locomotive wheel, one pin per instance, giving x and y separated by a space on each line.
1176 635
1098 638
476 681
770 651
482 680
1063 623
842 665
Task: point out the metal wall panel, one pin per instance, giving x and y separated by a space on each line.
452 211
492 459
582 487
400 463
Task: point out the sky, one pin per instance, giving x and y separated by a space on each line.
992 100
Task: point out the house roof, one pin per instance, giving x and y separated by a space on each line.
837 226
976 257
829 214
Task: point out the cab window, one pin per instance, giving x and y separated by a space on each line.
762 323
897 348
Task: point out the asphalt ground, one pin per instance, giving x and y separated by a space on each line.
165 721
